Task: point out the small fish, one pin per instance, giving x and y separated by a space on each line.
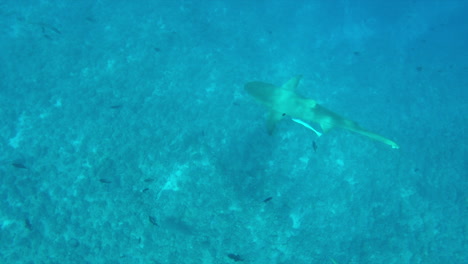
47 37
267 199
45 27
314 145
235 257
145 190
91 19
104 181
19 165
153 220
54 29
48 31
116 106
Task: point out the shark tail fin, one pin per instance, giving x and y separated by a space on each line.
378 138
292 83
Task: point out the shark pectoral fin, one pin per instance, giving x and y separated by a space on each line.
292 84
273 118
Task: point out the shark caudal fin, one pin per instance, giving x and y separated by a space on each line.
378 138
356 128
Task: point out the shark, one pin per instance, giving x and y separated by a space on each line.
284 101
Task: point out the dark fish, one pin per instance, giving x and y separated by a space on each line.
73 242
145 190
267 199
116 106
47 36
48 31
314 145
91 19
153 220
235 257
19 165
104 181
46 27
27 224
54 29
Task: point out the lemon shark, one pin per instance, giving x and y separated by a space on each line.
285 102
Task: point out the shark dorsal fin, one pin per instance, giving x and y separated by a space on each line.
292 84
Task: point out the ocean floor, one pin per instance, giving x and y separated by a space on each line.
126 135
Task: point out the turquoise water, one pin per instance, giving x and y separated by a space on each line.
126 135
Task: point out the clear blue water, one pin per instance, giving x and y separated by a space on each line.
126 135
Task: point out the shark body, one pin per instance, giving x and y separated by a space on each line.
284 101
